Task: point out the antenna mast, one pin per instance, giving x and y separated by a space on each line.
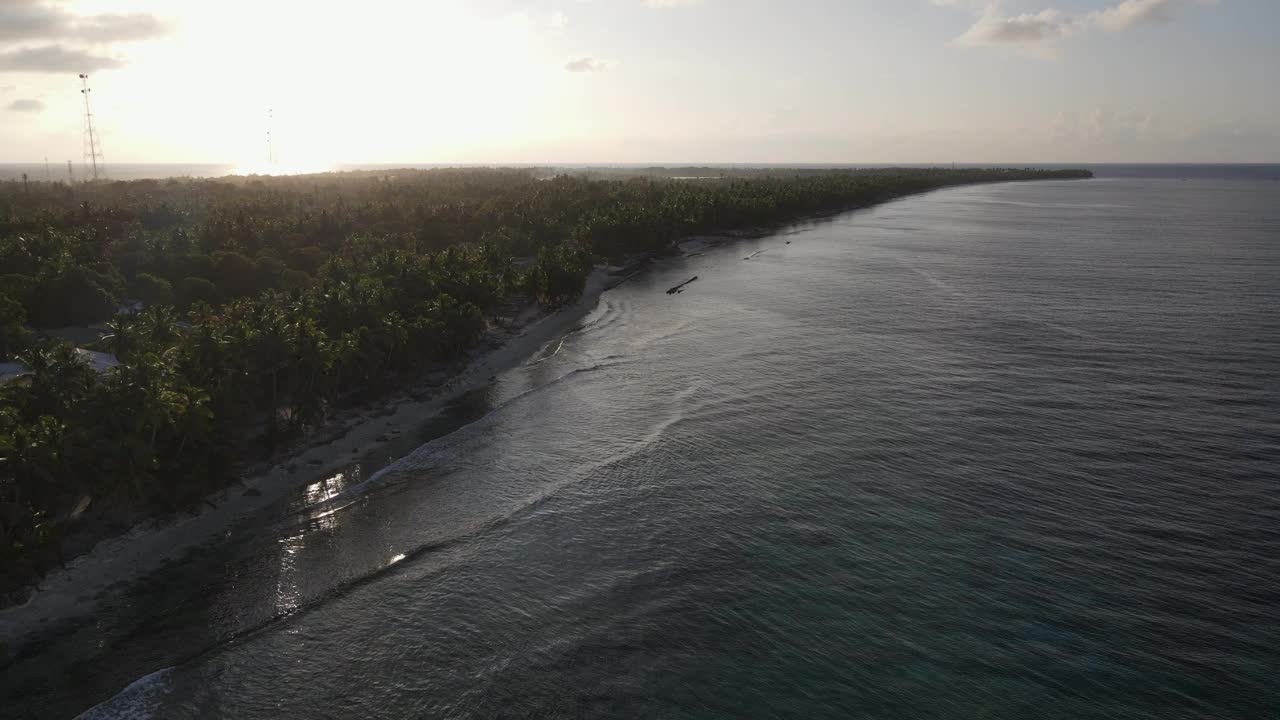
92 153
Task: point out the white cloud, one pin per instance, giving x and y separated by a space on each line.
994 27
30 105
1131 12
41 36
671 3
586 64
118 28
27 20
54 59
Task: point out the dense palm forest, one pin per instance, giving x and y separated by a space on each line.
243 311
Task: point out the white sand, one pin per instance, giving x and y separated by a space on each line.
68 593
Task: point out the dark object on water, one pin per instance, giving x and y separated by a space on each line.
680 287
788 242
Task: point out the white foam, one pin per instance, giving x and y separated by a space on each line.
139 701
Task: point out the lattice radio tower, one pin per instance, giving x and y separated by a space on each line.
92 148
271 153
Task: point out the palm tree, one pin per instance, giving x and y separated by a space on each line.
59 380
122 339
159 325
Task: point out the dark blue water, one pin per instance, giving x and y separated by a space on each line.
1006 451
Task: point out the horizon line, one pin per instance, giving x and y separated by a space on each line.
676 163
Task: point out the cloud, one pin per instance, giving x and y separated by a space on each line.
1132 12
119 28
30 105
1105 124
671 3
586 64
994 27
1136 134
25 20
54 59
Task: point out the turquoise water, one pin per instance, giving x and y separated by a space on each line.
1004 451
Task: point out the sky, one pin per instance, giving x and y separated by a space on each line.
642 81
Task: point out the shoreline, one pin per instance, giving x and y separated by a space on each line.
73 591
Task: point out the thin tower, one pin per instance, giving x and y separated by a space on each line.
92 153
48 176
71 174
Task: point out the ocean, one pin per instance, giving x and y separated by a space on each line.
1003 451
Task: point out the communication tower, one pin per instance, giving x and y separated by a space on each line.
92 149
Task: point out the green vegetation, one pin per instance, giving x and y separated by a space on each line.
268 303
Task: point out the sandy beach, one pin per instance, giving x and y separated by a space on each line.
73 591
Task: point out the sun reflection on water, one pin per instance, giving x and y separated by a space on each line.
326 489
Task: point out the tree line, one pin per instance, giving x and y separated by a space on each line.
259 305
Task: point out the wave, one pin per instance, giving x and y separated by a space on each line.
608 312
139 700
645 341
438 450
1028 204
142 698
542 355
965 298
902 228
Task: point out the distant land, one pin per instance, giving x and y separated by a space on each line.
140 171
